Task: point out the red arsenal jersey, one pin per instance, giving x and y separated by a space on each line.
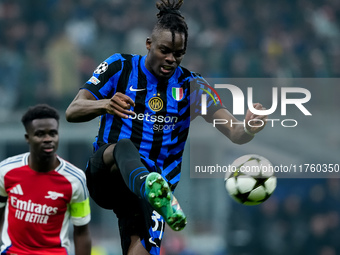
40 206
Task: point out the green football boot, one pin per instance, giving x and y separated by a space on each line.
163 201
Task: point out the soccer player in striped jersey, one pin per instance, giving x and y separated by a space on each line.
40 193
146 104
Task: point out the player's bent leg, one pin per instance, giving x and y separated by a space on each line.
99 179
164 202
108 158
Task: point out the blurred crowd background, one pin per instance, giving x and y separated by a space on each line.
49 48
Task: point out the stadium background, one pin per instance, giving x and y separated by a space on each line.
49 48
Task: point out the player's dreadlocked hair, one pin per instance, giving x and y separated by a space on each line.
40 111
169 17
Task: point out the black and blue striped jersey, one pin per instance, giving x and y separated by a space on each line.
163 110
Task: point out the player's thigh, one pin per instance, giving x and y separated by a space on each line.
108 158
105 186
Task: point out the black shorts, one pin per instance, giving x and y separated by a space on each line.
135 216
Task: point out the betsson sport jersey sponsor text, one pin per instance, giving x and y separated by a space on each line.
160 122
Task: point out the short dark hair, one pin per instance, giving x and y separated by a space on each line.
169 17
40 111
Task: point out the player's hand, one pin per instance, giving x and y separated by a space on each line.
120 105
255 123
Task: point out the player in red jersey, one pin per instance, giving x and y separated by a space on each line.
40 193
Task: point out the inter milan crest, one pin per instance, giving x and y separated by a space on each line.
101 68
177 93
156 104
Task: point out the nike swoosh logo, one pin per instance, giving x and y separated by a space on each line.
132 89
143 177
151 241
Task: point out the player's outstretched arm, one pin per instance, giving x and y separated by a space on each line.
82 240
237 131
85 107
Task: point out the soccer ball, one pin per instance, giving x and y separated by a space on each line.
250 179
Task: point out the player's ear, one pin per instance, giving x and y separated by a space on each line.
148 43
26 138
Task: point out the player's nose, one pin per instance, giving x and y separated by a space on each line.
170 58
